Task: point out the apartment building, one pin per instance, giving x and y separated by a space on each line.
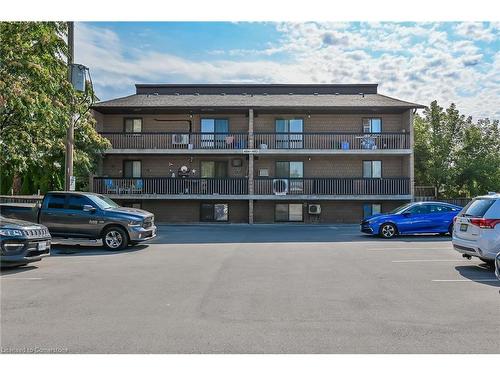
257 153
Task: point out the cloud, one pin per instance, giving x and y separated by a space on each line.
414 62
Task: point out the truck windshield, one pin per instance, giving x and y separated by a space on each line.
103 202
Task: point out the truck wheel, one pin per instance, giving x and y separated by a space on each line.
115 238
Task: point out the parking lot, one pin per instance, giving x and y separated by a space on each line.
254 289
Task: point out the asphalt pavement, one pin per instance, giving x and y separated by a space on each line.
254 289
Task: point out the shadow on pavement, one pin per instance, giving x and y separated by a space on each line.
14 270
76 250
275 233
481 273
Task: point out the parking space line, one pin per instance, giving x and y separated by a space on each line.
20 278
430 260
409 248
465 280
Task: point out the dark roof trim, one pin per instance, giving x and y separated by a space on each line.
257 89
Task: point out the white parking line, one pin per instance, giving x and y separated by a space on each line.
430 260
463 280
20 278
409 248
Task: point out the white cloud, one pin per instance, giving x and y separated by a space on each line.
413 62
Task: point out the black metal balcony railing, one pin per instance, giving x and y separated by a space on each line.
169 185
332 141
171 141
235 141
262 186
332 186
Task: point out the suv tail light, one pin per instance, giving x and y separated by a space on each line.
485 223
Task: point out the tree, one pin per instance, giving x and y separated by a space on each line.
456 155
35 109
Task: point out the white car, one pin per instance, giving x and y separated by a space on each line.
476 229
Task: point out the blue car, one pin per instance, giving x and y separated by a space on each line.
412 218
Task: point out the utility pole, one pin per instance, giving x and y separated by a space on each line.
70 135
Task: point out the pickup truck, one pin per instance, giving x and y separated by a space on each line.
80 215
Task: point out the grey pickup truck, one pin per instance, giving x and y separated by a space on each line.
79 215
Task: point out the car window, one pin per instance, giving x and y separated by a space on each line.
76 202
478 207
420 209
56 201
438 208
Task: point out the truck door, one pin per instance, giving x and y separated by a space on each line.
82 221
52 213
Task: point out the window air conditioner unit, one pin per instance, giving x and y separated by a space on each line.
280 186
314 209
180 139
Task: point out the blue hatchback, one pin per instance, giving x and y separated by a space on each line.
413 218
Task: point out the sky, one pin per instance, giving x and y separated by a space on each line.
455 62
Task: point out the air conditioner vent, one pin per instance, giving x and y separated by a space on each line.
314 209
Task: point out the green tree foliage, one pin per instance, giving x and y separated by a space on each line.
36 105
458 156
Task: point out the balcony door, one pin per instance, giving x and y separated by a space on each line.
289 133
293 172
213 169
214 132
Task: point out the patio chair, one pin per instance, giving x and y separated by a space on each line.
110 187
137 187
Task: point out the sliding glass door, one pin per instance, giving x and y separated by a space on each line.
289 133
214 132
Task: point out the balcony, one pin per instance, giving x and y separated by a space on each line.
168 186
264 188
349 187
336 142
177 142
271 143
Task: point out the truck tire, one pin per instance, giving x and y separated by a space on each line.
115 238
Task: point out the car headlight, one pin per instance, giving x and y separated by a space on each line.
135 223
12 247
11 232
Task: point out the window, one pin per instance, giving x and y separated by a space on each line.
214 212
214 132
372 169
478 207
370 209
76 202
420 209
56 201
132 168
439 208
289 133
288 212
372 125
132 204
289 169
132 125
210 169
293 170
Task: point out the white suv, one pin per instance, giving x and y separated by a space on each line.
476 229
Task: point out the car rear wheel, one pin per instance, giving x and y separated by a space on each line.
115 238
388 230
